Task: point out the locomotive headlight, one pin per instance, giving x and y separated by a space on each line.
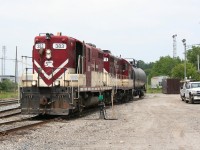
48 53
34 83
57 83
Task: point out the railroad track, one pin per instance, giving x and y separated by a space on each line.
14 121
8 102
38 120
13 127
10 112
26 123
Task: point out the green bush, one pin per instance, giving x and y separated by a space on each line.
7 86
154 90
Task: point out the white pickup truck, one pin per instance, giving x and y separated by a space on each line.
190 92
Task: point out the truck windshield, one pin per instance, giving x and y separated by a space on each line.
195 85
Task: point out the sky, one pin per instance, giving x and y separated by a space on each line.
139 29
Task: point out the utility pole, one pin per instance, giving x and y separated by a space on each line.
16 67
25 59
3 60
198 62
184 44
174 46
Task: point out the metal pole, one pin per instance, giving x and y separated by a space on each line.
16 69
198 62
184 44
174 46
185 74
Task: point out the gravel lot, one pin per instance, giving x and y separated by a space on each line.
156 122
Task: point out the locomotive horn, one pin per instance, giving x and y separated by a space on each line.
48 36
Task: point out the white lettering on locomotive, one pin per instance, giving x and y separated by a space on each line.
55 71
59 45
39 45
48 63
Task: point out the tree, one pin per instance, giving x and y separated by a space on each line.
178 71
7 85
192 55
164 66
145 66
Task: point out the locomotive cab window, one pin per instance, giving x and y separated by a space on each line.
100 55
124 67
88 54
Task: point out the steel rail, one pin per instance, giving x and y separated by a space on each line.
10 115
8 102
8 131
11 109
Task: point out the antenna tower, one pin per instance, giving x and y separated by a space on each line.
174 46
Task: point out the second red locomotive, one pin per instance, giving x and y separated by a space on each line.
69 74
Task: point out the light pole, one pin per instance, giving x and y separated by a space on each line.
184 44
25 59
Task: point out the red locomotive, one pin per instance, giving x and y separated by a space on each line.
69 74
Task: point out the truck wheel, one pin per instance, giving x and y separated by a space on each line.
185 99
191 101
182 98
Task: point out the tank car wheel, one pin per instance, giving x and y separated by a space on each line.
141 94
80 106
126 98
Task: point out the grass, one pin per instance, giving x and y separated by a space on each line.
6 95
156 90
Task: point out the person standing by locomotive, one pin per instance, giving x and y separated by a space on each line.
102 107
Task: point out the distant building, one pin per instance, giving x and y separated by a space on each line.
9 77
156 82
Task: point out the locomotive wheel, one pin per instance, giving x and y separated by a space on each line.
80 106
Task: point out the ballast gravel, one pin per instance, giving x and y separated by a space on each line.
156 122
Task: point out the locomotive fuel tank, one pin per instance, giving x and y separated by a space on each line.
139 78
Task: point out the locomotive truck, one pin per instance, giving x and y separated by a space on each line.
69 75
